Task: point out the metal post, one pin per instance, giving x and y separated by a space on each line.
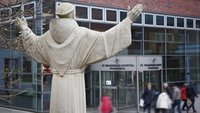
137 85
138 107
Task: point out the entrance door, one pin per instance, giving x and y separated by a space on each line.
120 86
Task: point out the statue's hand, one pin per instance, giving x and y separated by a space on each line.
135 12
21 23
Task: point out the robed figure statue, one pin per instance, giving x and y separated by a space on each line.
68 49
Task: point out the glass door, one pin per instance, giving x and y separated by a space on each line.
120 86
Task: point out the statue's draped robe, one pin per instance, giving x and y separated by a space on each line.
69 59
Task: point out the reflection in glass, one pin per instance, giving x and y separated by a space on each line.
175 48
175 35
192 36
154 34
176 75
100 27
160 20
122 15
175 61
81 12
180 22
170 21
192 61
194 75
197 23
135 48
139 19
97 14
149 19
190 23
83 24
137 33
27 64
154 47
111 15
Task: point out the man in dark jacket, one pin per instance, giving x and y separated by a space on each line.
191 93
148 97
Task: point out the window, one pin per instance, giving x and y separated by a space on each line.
154 34
149 19
111 15
139 19
197 23
123 15
16 11
159 20
180 22
97 13
5 14
190 23
81 12
170 21
175 61
29 10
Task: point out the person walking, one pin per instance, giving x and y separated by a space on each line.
164 101
191 93
176 99
148 97
106 105
184 96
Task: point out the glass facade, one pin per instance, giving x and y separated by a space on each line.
27 84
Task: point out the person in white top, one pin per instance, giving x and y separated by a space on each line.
164 102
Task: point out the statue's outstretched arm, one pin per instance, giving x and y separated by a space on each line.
31 43
26 32
114 40
135 12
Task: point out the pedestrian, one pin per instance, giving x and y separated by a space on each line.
164 101
176 99
191 93
148 96
184 96
106 105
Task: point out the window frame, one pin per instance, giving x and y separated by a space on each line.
187 23
167 21
119 14
111 9
145 18
88 12
103 14
142 21
184 22
195 23
156 20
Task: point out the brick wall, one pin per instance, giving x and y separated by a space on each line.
173 7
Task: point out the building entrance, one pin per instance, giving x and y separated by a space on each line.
120 86
124 79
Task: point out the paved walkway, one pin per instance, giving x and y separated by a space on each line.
90 110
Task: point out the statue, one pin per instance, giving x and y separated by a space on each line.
69 49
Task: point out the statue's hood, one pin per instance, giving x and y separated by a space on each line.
60 29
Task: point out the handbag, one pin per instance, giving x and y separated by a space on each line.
141 103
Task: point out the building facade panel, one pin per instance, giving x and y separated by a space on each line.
174 7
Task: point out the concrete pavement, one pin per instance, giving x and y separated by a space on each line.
91 110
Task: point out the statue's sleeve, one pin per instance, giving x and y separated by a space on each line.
112 41
33 45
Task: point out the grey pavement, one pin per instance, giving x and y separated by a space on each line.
91 110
